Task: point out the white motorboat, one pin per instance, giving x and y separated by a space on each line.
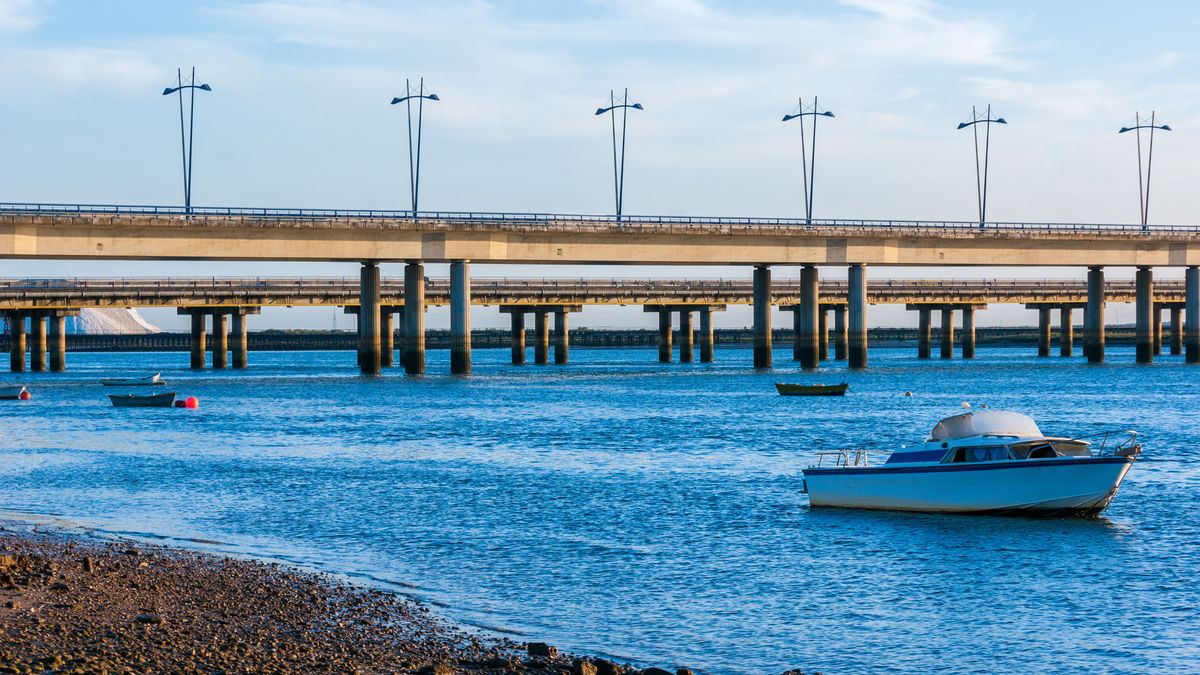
983 461
148 380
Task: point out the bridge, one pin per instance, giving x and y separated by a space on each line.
223 299
131 232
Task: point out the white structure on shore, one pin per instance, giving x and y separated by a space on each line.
114 321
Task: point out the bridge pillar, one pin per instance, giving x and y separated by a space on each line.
923 332
1043 331
686 336
1145 309
37 342
762 316
797 331
809 312
561 336
839 333
239 342
664 336
460 317
220 340
518 337
857 297
58 342
197 361
706 335
947 334
1191 338
387 335
412 353
1156 327
823 334
1066 331
541 338
1176 330
16 342
368 319
1093 319
968 332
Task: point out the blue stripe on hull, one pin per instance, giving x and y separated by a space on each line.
972 466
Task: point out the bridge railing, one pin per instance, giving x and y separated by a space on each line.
551 221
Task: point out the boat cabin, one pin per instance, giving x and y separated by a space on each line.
989 436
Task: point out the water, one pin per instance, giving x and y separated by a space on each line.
621 507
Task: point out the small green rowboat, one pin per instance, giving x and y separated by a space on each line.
812 389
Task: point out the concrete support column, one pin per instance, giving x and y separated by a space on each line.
1156 327
1191 338
412 354
368 319
1145 309
1176 331
664 336
686 352
968 332
518 338
706 335
460 317
1066 331
541 338
58 342
37 343
387 337
797 333
822 334
561 337
809 310
239 342
857 296
1093 320
16 341
947 334
220 341
923 333
197 362
762 316
1043 331
839 333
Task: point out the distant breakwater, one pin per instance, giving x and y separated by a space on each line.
305 340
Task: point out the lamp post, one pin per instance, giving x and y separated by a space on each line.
619 174
414 161
981 184
185 141
808 157
1140 123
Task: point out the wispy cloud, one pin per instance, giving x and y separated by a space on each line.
19 15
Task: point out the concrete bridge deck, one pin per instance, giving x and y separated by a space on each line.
77 293
61 231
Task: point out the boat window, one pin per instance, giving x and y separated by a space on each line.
983 453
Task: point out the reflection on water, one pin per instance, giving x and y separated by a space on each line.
624 507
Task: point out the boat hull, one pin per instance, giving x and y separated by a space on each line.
785 389
1064 486
150 401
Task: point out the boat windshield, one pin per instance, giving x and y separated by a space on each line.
982 453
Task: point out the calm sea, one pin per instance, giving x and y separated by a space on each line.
649 512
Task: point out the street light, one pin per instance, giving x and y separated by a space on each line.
987 121
808 157
185 142
1140 123
619 175
414 165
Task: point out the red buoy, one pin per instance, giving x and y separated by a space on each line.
25 395
192 402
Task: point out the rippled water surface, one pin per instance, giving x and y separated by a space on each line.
645 511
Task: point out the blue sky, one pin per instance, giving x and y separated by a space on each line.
299 115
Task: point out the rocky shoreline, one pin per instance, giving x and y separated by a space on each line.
77 604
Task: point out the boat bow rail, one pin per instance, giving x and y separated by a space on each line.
846 457
1114 443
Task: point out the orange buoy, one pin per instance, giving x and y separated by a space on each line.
191 402
25 395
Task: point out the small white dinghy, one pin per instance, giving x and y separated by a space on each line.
146 381
984 461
